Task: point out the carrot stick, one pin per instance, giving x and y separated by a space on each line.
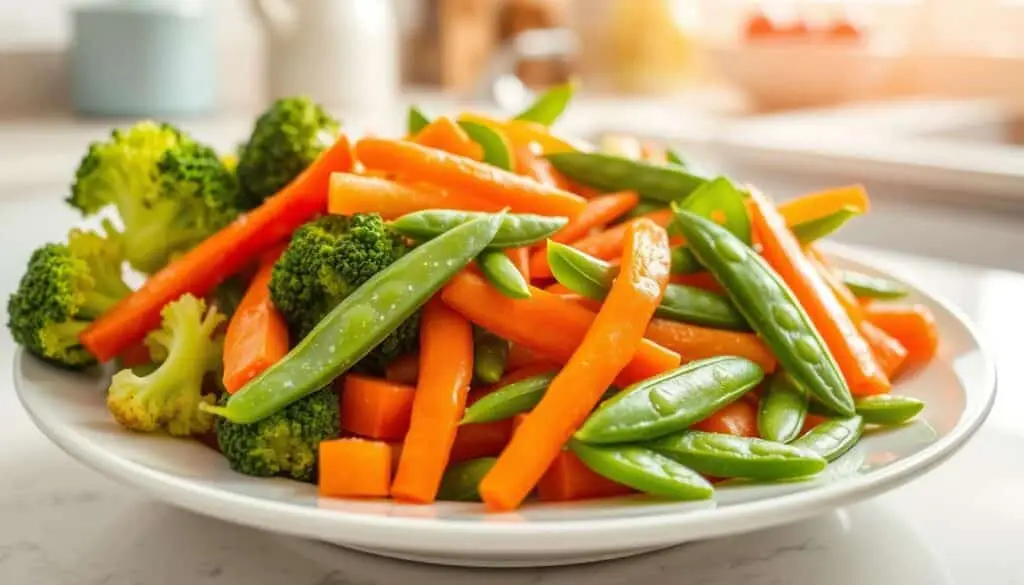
477 440
457 173
444 134
446 368
257 335
692 342
219 256
520 132
815 205
520 356
609 344
599 212
782 251
702 280
544 323
354 468
912 325
889 352
568 479
738 418
405 369
359 194
558 288
374 408
521 258
609 243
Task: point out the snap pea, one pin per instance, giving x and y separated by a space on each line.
496 149
417 120
517 229
643 208
683 261
509 400
888 409
606 172
770 308
864 286
461 482
722 455
503 274
719 196
360 322
643 470
820 227
831 439
673 157
592 277
489 355
670 402
782 410
547 108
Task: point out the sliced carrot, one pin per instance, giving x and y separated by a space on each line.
354 468
558 288
375 408
608 244
568 480
599 212
783 252
520 356
585 302
417 163
539 169
446 368
544 323
738 418
477 440
257 335
912 325
693 342
351 193
221 255
444 134
889 352
822 203
521 258
611 342
404 369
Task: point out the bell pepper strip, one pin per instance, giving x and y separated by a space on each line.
693 342
221 255
351 194
521 132
569 480
783 253
444 134
446 370
375 408
738 418
912 325
599 212
815 205
257 335
610 343
417 163
354 468
608 244
405 369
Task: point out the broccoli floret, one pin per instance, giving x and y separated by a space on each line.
169 191
64 288
186 347
285 140
326 260
286 443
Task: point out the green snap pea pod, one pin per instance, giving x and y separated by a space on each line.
821 227
684 262
888 409
643 470
490 353
670 402
547 108
607 172
592 277
643 208
509 400
503 274
461 482
496 149
864 286
782 410
672 156
770 308
722 455
417 120
719 196
360 322
831 439
517 229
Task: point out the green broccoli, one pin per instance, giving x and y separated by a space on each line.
326 260
285 140
169 191
285 443
186 347
63 289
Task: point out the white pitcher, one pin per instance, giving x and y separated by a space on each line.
340 53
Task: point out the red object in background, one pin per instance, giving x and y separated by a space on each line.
844 30
759 26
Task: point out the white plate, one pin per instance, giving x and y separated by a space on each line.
959 387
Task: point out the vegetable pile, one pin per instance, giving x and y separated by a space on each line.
480 311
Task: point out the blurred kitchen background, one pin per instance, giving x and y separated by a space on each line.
921 100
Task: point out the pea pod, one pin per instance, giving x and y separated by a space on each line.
503 274
864 286
718 197
592 277
497 151
888 409
417 120
517 229
547 108
509 400
606 172
821 227
721 455
643 470
782 410
831 439
360 322
770 308
684 262
673 157
461 482
490 353
670 402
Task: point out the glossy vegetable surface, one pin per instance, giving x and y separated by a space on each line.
721 455
644 470
461 482
607 172
502 272
888 409
781 410
832 438
547 108
496 149
490 353
517 229
821 227
508 401
872 287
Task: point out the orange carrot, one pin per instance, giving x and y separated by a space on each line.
375 408
405 369
477 440
446 368
521 258
521 132
568 479
782 251
609 344
544 323
889 352
693 342
354 468
599 212
912 325
738 418
558 288
539 169
702 280
444 134
359 194
609 243
457 173
221 255
812 421
257 335
520 356
820 204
